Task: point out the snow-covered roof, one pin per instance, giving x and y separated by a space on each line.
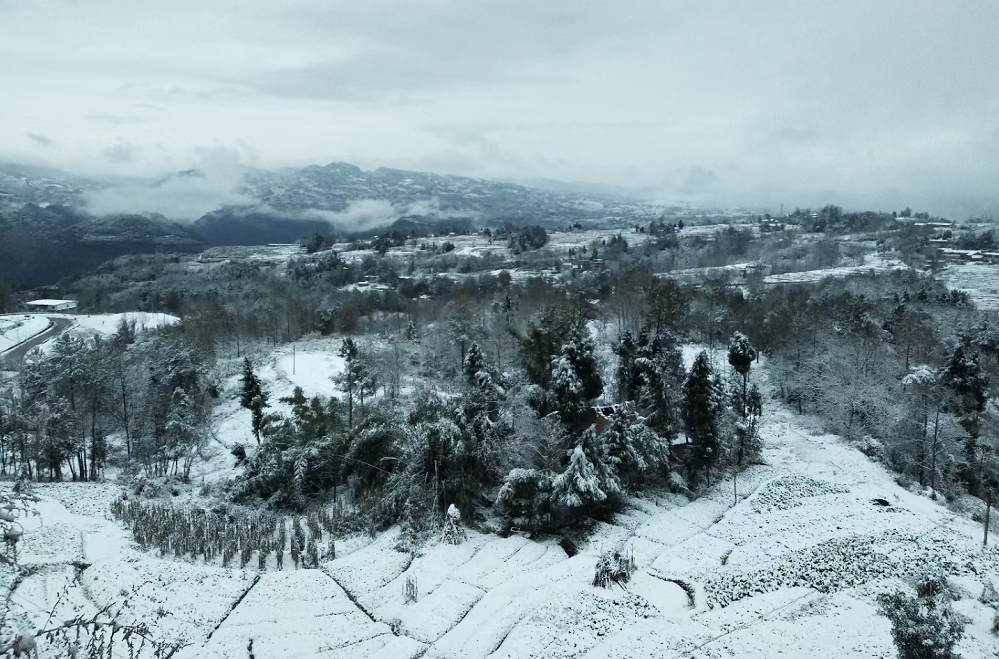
50 303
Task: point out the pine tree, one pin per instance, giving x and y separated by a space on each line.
628 377
567 391
253 397
631 448
701 416
575 382
969 387
475 368
579 485
453 533
352 375
741 355
923 628
581 353
661 377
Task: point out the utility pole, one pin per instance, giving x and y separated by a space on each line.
293 360
735 489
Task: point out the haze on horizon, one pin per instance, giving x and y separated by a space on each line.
869 105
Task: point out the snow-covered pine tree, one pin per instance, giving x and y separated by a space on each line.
627 374
741 355
567 391
578 487
661 377
922 627
575 381
631 448
701 417
475 367
969 388
616 444
253 397
582 355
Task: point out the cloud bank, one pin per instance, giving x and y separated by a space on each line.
214 182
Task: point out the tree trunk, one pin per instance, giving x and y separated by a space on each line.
988 511
933 461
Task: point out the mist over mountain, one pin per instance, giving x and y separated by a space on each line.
55 224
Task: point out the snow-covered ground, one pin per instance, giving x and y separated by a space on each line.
106 324
18 328
312 370
310 364
870 265
785 561
979 280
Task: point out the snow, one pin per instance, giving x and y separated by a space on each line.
312 371
18 328
107 324
978 280
786 560
870 266
310 364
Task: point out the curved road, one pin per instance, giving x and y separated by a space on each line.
17 353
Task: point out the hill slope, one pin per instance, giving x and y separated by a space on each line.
787 560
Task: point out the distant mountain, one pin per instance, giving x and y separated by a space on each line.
47 230
236 226
40 245
21 184
337 185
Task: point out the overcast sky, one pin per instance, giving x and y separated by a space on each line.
859 102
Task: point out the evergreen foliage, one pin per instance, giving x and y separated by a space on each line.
701 411
253 397
924 627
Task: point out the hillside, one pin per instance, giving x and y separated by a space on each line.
788 559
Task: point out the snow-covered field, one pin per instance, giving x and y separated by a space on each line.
872 265
312 370
17 328
310 364
107 324
979 280
785 561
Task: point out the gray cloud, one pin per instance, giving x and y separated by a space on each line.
122 152
803 103
40 140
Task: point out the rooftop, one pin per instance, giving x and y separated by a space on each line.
50 303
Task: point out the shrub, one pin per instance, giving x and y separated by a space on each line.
923 627
614 567
453 534
410 590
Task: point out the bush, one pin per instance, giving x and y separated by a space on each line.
614 567
923 627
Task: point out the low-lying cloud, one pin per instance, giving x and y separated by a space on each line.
185 196
366 214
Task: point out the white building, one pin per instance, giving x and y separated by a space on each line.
53 305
